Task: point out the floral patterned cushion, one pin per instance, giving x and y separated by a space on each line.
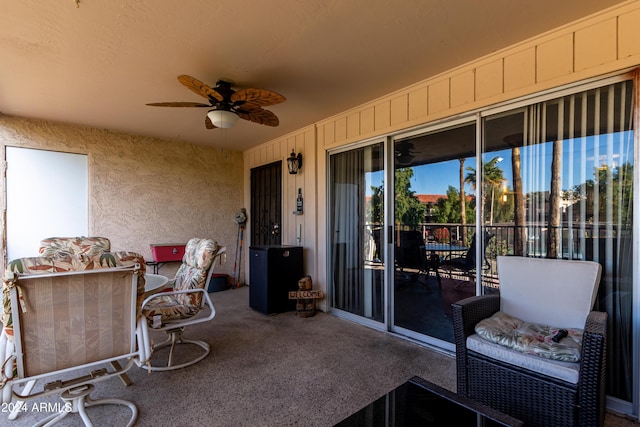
530 338
198 257
70 247
59 263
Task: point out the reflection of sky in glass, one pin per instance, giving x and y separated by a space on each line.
580 159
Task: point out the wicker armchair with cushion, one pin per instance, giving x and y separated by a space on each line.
506 354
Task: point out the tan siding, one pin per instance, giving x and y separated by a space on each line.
383 115
353 125
399 109
520 69
367 120
304 142
595 45
439 96
418 103
329 133
463 88
555 58
341 129
629 35
489 80
320 131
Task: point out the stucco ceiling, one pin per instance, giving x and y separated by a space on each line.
98 62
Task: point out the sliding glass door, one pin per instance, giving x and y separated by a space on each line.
434 223
356 231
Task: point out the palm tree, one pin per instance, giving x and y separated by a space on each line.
518 201
492 178
463 203
553 242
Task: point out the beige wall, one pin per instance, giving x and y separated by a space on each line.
145 190
593 46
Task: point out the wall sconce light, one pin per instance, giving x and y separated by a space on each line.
294 163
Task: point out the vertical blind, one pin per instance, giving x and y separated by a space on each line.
577 174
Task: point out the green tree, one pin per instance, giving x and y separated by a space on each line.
447 209
614 194
376 207
504 210
409 210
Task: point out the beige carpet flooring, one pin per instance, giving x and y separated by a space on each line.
277 370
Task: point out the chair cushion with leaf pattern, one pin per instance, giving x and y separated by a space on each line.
58 262
198 258
70 247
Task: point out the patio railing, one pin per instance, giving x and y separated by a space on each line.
576 241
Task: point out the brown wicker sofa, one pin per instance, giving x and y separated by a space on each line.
519 389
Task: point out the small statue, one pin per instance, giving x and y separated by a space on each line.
305 307
305 283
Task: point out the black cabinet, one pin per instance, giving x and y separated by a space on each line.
275 270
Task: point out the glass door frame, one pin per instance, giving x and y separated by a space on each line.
381 326
442 125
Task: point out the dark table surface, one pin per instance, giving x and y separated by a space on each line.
421 403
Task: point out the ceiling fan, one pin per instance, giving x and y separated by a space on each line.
227 104
404 153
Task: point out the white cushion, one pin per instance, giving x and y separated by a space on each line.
549 291
567 371
530 338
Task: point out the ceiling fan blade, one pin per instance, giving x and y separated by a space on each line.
249 107
261 116
198 87
178 104
208 124
261 97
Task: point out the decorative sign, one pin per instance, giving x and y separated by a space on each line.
305 294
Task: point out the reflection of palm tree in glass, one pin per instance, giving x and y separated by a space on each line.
518 201
492 177
463 203
554 232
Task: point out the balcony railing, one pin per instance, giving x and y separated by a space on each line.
575 241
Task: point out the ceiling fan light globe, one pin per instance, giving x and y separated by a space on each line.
223 118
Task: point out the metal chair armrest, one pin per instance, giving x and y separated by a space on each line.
206 300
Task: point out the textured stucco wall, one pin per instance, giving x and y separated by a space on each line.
145 190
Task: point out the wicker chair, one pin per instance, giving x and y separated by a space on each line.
534 389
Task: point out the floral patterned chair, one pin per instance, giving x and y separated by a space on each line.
178 308
67 255
70 282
